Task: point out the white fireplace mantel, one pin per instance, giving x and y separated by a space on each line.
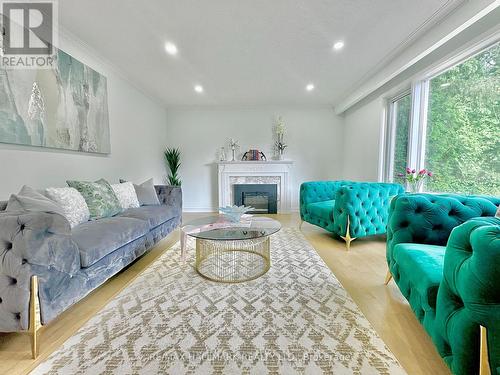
255 172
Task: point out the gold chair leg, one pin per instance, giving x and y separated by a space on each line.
388 277
34 317
484 364
300 225
347 238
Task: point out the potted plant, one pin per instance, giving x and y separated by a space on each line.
414 180
173 161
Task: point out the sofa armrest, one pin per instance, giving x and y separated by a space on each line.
32 243
317 191
469 295
366 204
430 218
170 196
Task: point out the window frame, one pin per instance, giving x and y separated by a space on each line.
419 90
390 132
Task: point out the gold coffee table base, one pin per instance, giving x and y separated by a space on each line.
233 261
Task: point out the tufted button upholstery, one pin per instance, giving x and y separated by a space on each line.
41 233
468 294
366 204
446 211
171 196
35 243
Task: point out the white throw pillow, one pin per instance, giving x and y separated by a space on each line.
126 195
74 206
498 212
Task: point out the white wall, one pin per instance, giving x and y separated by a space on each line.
314 138
138 137
362 137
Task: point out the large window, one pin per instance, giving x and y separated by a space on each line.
452 129
463 126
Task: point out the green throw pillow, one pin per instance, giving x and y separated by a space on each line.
99 196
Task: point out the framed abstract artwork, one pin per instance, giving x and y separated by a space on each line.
63 107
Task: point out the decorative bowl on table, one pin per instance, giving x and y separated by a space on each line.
234 213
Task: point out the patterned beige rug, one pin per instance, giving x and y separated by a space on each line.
296 319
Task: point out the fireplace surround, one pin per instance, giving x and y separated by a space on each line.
273 172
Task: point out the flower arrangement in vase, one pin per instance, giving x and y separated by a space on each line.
280 145
414 180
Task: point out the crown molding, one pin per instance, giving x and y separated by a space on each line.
362 92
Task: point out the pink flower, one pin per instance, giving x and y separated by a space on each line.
413 171
408 170
430 174
401 175
422 171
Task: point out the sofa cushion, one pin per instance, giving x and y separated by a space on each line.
96 239
99 196
28 199
154 215
74 207
322 210
420 271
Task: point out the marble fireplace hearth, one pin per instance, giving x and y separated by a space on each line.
276 172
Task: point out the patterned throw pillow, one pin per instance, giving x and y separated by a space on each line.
126 194
72 203
100 198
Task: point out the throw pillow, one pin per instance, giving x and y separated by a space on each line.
28 199
99 196
498 212
126 195
146 193
72 203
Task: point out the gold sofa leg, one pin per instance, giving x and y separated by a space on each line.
388 277
484 364
34 316
347 238
300 225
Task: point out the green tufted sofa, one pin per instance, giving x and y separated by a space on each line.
346 208
443 252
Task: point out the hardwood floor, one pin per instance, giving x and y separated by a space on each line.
361 271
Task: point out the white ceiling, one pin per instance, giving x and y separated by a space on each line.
247 52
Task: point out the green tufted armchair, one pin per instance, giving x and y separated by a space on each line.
443 252
346 208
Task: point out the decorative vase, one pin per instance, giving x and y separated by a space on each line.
280 155
233 153
222 154
234 213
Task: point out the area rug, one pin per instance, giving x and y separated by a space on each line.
296 319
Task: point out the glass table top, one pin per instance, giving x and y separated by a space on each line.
217 227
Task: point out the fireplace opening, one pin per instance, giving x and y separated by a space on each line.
262 197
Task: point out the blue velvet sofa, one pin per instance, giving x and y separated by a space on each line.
346 208
443 252
70 263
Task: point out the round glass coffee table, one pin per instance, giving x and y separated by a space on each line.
231 252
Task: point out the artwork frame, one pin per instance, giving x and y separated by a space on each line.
64 107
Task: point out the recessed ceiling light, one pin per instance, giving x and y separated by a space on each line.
338 45
171 48
198 88
310 87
